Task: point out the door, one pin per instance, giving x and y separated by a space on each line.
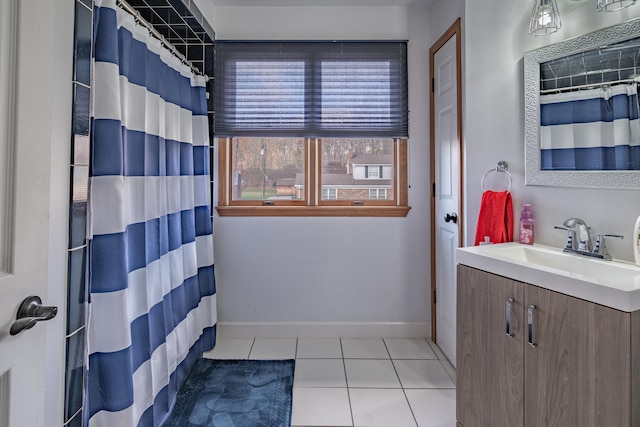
490 375
579 372
35 129
446 136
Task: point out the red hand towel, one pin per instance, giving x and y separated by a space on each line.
495 218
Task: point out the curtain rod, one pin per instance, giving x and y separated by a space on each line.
139 19
587 86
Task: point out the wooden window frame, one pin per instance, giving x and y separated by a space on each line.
312 204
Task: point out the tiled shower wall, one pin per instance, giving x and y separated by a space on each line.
77 258
184 26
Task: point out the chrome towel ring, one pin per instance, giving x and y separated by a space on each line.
503 167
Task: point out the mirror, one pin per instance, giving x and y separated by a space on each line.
576 135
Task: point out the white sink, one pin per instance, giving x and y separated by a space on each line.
612 283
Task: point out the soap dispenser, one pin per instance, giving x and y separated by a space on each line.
526 225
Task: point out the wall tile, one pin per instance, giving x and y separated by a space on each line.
162 3
169 16
88 3
76 291
180 7
81 104
76 422
209 54
80 150
74 376
78 208
195 52
82 44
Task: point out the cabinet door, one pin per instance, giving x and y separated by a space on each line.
489 371
578 374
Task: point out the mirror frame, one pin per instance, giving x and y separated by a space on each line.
532 60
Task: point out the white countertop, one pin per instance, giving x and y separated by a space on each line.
614 284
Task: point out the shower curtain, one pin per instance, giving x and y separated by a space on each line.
594 129
152 288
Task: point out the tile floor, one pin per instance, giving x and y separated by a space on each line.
392 382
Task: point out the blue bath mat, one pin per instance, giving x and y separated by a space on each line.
235 393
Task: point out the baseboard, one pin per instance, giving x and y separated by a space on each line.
324 329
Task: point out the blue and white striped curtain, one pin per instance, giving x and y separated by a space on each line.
152 287
594 129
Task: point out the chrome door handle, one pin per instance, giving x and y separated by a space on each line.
508 317
451 218
30 312
530 312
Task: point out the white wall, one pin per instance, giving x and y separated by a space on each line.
494 120
332 269
377 269
444 13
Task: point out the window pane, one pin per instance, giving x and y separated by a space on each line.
377 194
268 168
356 94
269 92
357 169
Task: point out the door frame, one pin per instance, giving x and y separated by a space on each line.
454 30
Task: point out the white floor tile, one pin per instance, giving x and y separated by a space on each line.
230 348
422 374
437 350
319 373
374 369
433 408
321 407
364 348
451 371
409 348
371 373
376 407
273 348
319 348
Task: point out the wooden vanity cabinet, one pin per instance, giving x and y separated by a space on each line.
579 372
489 364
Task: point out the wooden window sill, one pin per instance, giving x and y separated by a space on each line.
353 211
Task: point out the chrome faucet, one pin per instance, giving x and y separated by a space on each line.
579 239
583 233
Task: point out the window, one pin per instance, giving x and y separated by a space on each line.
267 169
345 164
329 193
373 172
378 193
311 128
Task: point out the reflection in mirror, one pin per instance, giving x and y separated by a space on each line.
582 127
589 109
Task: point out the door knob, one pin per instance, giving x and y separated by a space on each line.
30 312
451 218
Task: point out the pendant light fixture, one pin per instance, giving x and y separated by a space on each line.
545 18
611 5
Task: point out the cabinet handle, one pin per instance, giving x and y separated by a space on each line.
508 316
530 311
